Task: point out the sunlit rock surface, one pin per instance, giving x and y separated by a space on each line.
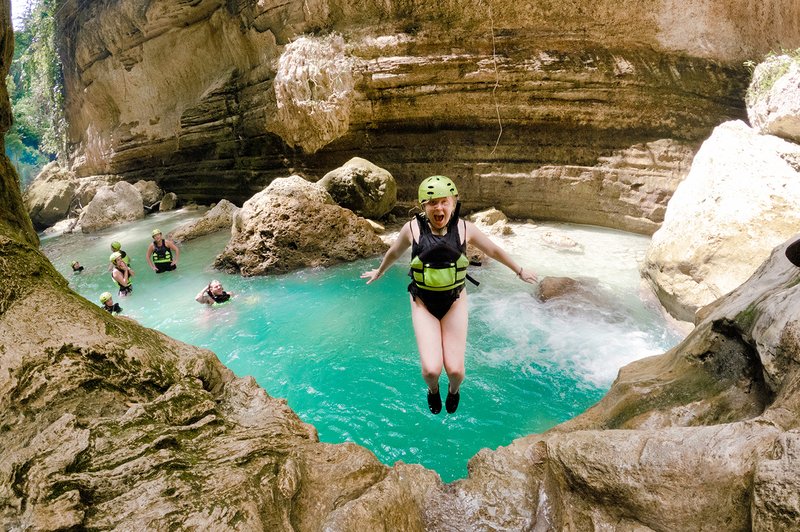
773 97
295 224
522 103
738 202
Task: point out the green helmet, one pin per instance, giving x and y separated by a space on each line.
114 256
154 232
116 246
105 296
436 186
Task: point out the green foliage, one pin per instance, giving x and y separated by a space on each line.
772 68
35 86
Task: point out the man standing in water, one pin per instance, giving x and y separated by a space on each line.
438 241
162 254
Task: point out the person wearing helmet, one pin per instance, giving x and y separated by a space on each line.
162 254
117 246
108 303
76 267
213 294
121 273
438 239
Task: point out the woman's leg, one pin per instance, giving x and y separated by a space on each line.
454 341
428 331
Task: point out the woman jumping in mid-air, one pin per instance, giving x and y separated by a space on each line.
439 262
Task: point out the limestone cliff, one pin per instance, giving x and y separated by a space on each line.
524 103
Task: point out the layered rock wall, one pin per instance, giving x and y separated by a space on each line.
484 91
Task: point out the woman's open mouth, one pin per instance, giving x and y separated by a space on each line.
438 219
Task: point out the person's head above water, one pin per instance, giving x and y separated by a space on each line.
438 196
116 246
155 233
105 297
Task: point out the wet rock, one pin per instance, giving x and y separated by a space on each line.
294 224
362 187
553 287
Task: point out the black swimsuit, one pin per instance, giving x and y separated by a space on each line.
434 247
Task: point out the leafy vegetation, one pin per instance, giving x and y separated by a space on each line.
35 82
770 70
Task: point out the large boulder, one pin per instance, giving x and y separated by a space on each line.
294 224
112 206
218 218
150 191
362 187
737 203
49 197
773 98
168 202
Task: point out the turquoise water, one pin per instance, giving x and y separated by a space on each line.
343 353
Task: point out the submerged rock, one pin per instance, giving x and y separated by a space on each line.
294 224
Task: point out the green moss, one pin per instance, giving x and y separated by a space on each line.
775 66
747 318
692 387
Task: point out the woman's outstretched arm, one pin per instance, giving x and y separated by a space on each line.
398 247
476 237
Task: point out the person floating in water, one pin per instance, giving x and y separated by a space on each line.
76 267
162 254
213 294
438 240
108 303
121 273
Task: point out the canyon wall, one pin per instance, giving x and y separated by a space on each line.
580 111
105 424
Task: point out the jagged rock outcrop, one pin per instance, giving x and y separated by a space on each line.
362 187
294 224
737 203
218 218
486 92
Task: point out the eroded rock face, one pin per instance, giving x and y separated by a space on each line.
419 96
738 202
294 224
